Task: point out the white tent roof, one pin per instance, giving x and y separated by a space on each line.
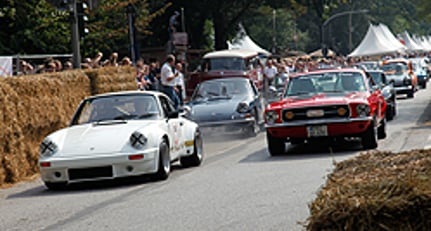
377 41
244 42
409 42
390 37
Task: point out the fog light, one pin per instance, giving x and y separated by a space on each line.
129 168
57 174
289 115
341 111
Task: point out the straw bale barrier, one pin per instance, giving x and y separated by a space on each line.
33 106
376 191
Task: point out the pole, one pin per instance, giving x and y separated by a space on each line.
130 17
76 58
274 41
183 25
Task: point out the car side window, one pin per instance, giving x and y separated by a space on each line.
167 105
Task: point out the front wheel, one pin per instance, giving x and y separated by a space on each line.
276 146
196 158
369 138
381 131
164 166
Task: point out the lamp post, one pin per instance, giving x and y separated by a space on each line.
322 28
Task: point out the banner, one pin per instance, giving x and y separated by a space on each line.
5 66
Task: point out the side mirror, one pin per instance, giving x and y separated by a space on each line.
185 111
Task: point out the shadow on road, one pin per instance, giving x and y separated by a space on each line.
306 151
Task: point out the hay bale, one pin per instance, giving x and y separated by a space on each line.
376 191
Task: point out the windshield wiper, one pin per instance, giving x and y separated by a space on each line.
142 116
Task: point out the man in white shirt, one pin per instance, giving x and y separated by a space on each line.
168 77
179 83
269 72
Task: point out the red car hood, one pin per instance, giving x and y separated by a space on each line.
321 99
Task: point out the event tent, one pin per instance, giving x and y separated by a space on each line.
244 42
377 41
409 42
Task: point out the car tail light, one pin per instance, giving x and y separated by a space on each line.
136 157
45 164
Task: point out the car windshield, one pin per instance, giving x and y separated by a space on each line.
227 63
118 107
378 78
328 82
221 89
395 67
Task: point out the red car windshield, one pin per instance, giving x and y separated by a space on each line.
327 82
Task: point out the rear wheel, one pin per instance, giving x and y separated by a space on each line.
164 167
196 158
411 94
276 146
369 137
390 112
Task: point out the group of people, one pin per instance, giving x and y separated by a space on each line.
168 79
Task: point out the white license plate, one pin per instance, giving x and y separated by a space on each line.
317 131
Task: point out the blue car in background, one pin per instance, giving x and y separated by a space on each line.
388 92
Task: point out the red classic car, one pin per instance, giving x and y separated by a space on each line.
328 103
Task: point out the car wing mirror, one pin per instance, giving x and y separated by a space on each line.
185 111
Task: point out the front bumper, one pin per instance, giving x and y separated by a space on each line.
98 167
346 127
403 89
228 126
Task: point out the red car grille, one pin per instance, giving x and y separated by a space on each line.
331 111
89 173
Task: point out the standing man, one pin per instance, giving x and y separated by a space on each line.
179 82
269 73
168 80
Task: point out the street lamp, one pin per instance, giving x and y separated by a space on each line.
322 28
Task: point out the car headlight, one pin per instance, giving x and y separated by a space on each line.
138 140
363 110
271 117
48 148
242 107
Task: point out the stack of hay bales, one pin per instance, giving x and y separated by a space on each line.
376 191
33 106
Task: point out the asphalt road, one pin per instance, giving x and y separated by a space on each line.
238 187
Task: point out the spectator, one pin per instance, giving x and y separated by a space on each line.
269 72
154 77
58 65
142 72
95 62
168 79
179 83
126 61
26 68
67 65
112 61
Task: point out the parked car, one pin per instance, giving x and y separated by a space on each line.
230 105
388 92
400 72
420 68
326 104
225 64
119 135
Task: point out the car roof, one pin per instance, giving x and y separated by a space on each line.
122 93
238 53
339 70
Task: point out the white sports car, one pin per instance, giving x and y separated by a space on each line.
119 135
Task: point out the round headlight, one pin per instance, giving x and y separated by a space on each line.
363 110
138 140
48 148
271 117
242 107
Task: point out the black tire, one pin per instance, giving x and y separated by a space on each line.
424 84
254 128
369 137
394 108
196 158
381 130
164 167
56 186
390 112
276 146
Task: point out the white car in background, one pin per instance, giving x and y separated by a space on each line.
119 135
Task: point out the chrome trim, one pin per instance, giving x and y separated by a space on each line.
319 121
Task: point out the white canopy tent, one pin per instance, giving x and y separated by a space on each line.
378 41
244 42
409 42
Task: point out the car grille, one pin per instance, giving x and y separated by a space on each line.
328 112
89 173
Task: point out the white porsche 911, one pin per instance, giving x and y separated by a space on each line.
119 135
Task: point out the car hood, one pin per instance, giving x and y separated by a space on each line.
216 109
321 99
90 139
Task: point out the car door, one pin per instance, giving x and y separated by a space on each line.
175 126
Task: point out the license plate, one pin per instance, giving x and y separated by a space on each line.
317 131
